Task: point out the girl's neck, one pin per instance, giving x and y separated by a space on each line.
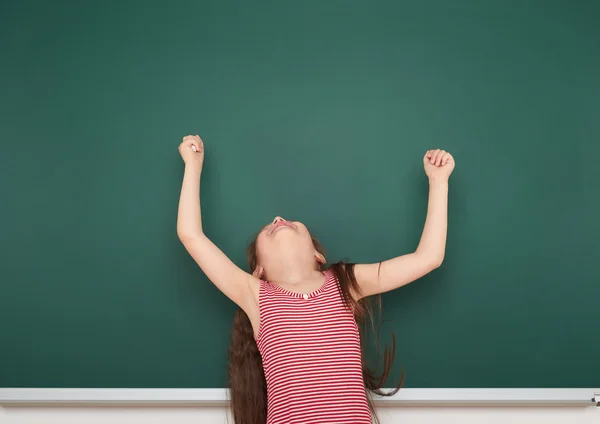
293 272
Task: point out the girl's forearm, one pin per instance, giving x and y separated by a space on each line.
189 219
433 239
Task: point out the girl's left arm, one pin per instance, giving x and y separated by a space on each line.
393 273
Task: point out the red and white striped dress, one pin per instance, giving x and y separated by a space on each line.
310 348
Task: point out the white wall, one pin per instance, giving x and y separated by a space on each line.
217 415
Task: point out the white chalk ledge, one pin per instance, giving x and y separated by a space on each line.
217 397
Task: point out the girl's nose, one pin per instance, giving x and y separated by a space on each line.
277 219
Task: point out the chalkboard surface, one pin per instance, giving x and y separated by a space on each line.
318 111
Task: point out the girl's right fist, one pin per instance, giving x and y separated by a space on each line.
191 150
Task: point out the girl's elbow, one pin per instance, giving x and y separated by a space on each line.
186 235
436 262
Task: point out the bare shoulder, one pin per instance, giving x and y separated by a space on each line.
254 288
252 305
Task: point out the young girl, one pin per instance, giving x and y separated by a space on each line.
295 355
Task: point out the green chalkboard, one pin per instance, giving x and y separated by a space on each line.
318 111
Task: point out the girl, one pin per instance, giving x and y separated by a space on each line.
295 355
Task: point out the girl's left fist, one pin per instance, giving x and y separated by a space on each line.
438 164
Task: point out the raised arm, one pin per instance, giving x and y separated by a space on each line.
228 277
393 273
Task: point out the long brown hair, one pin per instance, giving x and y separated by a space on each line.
247 384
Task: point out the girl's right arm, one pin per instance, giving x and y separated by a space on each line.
238 285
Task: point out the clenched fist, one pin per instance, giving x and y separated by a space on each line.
191 150
438 164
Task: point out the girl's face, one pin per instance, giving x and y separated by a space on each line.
281 239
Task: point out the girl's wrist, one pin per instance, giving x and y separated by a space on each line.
192 166
436 181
